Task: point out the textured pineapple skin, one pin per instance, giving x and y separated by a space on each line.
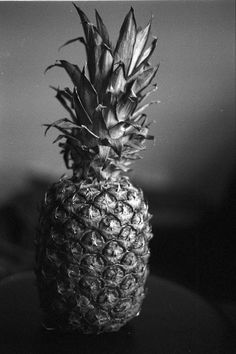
92 255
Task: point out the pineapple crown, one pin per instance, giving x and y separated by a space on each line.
107 127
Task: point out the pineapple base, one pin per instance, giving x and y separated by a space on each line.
92 255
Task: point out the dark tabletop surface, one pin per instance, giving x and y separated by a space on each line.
173 320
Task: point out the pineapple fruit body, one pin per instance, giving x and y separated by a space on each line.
92 254
93 233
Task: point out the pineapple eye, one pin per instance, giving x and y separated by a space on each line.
91 213
89 286
129 260
93 263
93 241
138 220
139 245
60 214
134 198
140 269
123 306
123 211
110 224
105 201
98 317
73 230
129 283
76 251
127 235
108 297
113 251
113 274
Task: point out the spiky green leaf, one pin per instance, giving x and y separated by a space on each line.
147 94
102 30
144 79
93 41
73 71
141 109
125 108
103 152
94 51
62 96
104 106
77 39
52 66
81 113
99 125
104 70
116 145
84 20
124 48
109 117
148 52
140 42
117 81
88 95
117 131
65 132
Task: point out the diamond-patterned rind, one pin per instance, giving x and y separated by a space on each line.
92 254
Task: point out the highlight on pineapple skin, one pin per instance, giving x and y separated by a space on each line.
92 242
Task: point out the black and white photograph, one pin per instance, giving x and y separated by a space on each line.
117 177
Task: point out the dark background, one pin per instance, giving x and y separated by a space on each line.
188 176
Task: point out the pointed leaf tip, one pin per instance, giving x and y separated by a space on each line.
124 47
140 43
84 20
148 52
52 66
144 79
80 39
102 29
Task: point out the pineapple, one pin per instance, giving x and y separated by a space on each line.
94 227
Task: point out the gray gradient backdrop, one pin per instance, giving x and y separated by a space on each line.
194 125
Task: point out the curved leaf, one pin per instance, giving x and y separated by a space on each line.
73 71
62 96
77 39
52 66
